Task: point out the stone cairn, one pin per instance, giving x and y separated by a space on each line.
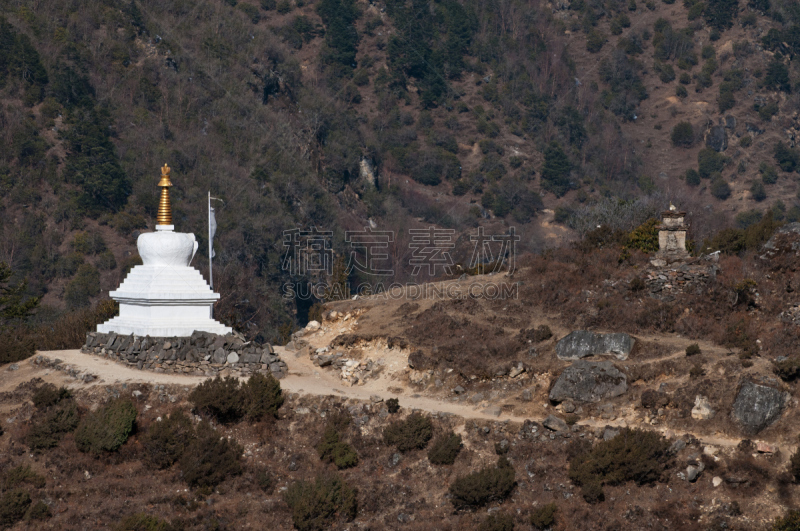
202 354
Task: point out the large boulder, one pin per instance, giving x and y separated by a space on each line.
757 406
587 381
582 343
717 138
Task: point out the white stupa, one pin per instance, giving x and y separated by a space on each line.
164 297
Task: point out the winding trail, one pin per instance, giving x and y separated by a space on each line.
305 378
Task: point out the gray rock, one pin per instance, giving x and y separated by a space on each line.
13 367
609 433
555 424
693 471
586 381
275 367
219 355
582 343
251 358
757 406
477 397
677 446
233 358
702 408
459 390
717 138
376 399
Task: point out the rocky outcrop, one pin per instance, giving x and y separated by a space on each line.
786 240
757 406
582 343
586 381
665 282
202 354
717 138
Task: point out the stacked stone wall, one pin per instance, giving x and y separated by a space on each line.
202 354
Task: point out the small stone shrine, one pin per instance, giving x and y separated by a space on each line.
672 235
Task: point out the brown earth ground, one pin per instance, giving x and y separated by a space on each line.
89 493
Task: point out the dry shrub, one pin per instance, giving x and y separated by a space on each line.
497 522
22 474
16 345
633 455
38 511
106 429
788 369
48 426
652 399
693 349
69 330
413 433
544 517
13 506
210 459
49 395
143 522
393 405
317 505
789 522
166 441
444 449
493 483
262 397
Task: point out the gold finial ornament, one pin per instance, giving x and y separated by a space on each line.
164 207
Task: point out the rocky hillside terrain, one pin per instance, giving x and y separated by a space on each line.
337 114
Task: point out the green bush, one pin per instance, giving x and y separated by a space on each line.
595 41
757 191
445 449
709 161
106 429
22 474
262 397
219 398
682 135
393 405
497 522
48 426
143 522
166 441
13 506
693 349
768 173
787 158
333 450
692 177
633 455
210 459
49 395
644 237
544 517
413 433
493 483
720 189
317 505
555 170
681 91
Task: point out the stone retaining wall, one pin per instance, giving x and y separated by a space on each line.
666 282
202 354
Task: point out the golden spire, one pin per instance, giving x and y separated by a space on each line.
164 208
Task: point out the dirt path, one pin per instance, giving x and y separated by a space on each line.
303 378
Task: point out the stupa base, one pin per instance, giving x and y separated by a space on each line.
176 328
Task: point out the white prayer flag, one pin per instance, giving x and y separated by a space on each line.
212 229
